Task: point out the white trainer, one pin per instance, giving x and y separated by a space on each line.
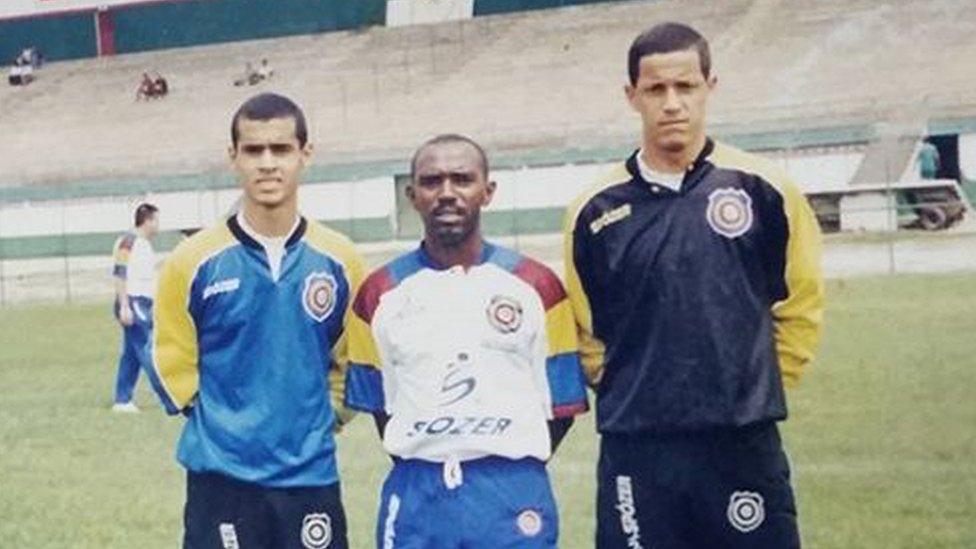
125 408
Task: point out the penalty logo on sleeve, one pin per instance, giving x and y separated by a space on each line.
319 296
729 212
504 314
746 511
316 531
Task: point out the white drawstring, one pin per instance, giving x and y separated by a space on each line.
138 311
453 476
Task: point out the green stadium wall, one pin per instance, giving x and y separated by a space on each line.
514 218
190 23
359 171
100 244
170 24
527 221
65 36
490 7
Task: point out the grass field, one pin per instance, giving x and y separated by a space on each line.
882 434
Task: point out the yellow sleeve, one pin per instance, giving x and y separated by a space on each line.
362 345
355 273
565 376
337 380
175 352
591 349
364 380
799 318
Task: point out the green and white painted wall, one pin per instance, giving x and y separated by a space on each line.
364 201
529 201
60 247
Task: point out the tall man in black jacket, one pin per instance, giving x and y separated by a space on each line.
694 273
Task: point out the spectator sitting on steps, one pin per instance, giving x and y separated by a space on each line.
254 76
265 71
152 87
161 85
21 73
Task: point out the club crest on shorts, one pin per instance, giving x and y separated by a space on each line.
746 511
529 523
319 295
729 212
504 314
316 531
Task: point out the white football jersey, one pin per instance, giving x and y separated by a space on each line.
135 262
467 363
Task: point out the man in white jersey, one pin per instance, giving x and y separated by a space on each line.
466 354
134 273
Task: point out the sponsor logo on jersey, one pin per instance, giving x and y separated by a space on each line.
729 212
461 426
529 523
746 512
319 297
316 531
504 314
628 512
458 383
609 218
228 536
221 287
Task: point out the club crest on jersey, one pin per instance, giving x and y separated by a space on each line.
504 314
729 212
529 523
319 296
745 511
316 531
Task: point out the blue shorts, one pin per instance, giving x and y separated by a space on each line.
495 503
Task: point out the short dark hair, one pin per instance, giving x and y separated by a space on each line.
667 38
449 138
143 212
267 106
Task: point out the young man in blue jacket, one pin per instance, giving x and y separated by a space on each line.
249 345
